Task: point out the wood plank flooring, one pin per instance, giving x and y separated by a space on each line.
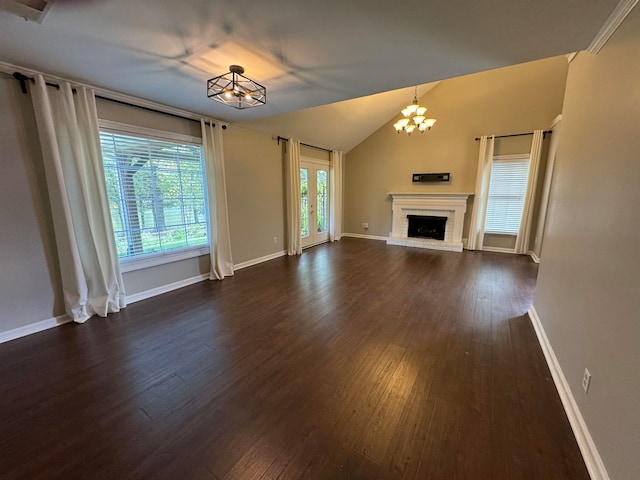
356 360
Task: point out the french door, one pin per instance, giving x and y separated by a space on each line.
314 202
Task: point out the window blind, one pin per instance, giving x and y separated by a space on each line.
507 189
157 194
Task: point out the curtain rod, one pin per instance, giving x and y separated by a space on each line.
305 144
23 79
517 135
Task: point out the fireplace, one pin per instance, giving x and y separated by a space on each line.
426 226
438 219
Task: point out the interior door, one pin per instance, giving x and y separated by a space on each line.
314 202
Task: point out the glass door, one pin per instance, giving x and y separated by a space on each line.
314 202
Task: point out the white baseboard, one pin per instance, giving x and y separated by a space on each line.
498 250
33 328
534 257
256 261
369 237
136 297
56 321
588 448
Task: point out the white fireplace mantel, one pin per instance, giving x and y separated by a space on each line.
450 205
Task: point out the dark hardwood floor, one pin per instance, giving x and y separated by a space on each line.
357 360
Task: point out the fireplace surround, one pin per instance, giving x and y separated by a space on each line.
449 206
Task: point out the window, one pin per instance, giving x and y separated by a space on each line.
157 193
507 189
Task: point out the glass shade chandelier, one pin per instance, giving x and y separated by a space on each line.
413 118
236 90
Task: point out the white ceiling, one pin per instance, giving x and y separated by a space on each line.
306 52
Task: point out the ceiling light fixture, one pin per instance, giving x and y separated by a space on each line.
413 117
236 90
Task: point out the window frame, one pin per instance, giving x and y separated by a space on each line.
139 262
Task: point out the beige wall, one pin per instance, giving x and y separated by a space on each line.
588 293
29 277
141 117
514 99
254 168
30 286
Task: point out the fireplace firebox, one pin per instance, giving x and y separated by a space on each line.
426 226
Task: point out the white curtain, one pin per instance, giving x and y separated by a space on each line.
70 140
522 240
485 160
219 238
335 202
546 187
292 179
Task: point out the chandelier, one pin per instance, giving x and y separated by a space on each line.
414 118
236 90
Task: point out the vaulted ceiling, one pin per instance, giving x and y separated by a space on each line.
308 53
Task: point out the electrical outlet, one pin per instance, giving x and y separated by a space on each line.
365 225
275 239
586 381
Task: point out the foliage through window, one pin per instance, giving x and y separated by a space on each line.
157 194
507 189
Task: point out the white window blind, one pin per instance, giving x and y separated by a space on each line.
507 188
157 194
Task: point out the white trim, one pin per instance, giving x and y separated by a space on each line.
444 204
315 244
590 454
571 56
611 24
161 258
135 130
534 257
368 237
426 243
136 297
555 121
255 261
33 328
498 249
24 10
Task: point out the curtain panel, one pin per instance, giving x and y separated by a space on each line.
67 126
219 237
478 214
292 179
336 200
524 233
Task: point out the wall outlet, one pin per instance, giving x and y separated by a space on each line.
365 225
586 380
275 239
